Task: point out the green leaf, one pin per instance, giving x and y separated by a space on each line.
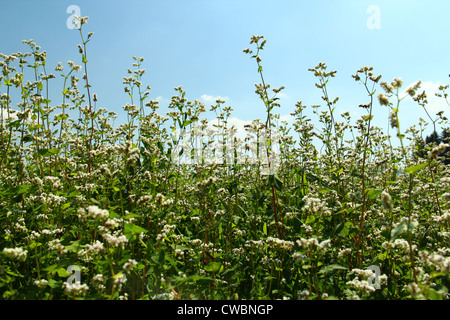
134 228
22 189
27 138
344 231
132 215
73 193
349 229
339 228
62 273
331 268
53 283
160 146
373 194
414 169
186 123
48 152
310 219
14 124
273 180
14 274
74 246
65 206
54 268
84 60
213 267
131 230
161 256
436 295
34 245
382 256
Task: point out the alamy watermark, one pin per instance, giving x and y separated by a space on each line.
76 276
374 20
72 22
375 277
73 286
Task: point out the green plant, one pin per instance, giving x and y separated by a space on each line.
166 207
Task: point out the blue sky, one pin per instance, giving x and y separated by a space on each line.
199 43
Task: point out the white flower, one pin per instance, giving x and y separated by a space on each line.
96 247
307 243
383 279
97 282
325 244
314 243
383 99
128 266
365 274
15 253
114 240
315 205
119 280
397 83
402 243
283 244
113 223
75 288
291 215
41 283
304 294
362 286
97 213
99 278
344 252
179 253
56 245
438 150
414 288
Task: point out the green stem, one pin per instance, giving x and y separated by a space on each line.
363 181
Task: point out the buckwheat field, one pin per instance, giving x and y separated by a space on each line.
166 207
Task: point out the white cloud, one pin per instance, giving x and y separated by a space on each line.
435 104
237 123
212 99
11 115
282 95
288 118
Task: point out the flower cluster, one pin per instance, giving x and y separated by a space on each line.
15 253
115 240
75 288
97 213
313 243
315 206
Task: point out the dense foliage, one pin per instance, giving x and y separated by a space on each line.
339 218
